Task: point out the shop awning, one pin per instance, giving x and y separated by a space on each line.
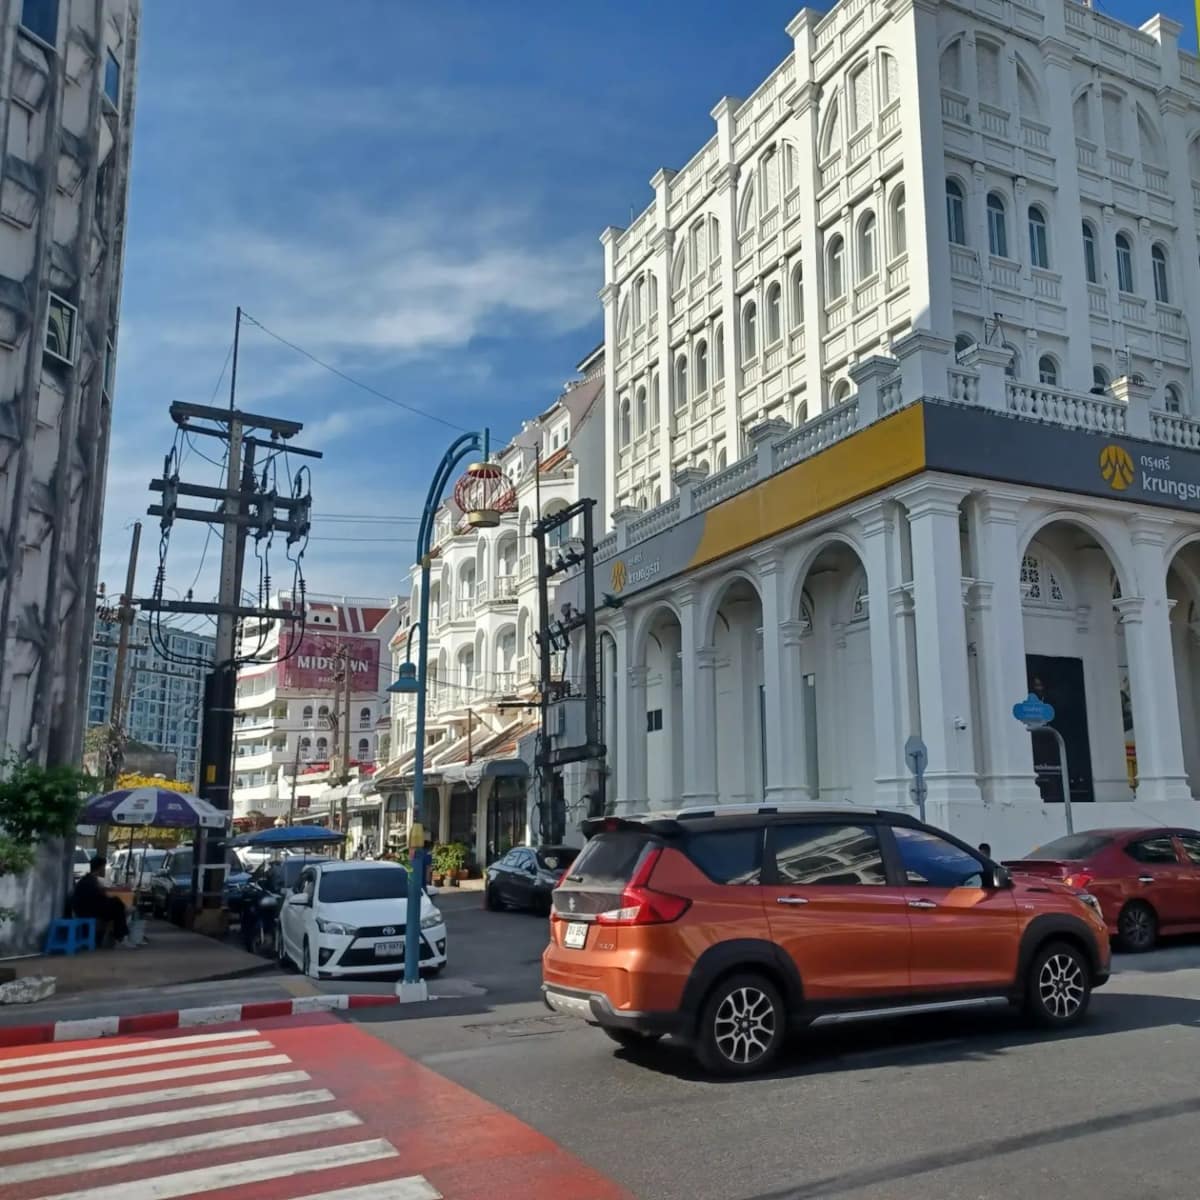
492 768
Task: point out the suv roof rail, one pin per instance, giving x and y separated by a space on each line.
664 820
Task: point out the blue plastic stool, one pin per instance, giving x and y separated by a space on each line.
70 936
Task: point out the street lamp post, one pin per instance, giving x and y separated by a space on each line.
482 494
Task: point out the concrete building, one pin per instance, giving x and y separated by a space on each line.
483 660
164 688
289 704
68 72
901 367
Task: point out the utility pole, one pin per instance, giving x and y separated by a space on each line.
344 679
244 507
114 746
556 635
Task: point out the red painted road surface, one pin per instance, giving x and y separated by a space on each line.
304 1107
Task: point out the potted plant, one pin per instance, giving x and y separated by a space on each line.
441 857
455 862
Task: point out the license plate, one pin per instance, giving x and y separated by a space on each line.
575 936
389 949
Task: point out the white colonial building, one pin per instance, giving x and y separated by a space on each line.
900 363
483 668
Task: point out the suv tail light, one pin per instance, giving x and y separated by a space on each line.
1079 880
640 905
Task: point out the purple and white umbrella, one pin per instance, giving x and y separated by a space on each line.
152 806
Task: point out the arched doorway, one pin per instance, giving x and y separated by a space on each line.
1183 595
735 635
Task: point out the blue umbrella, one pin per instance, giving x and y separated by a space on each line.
291 835
159 807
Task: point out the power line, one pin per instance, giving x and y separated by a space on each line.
366 387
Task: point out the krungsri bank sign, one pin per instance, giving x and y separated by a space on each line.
317 662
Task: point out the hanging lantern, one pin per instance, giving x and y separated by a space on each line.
483 494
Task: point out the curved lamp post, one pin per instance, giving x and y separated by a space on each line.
483 493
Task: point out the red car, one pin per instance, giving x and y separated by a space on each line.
1147 880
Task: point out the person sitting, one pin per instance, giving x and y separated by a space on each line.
91 899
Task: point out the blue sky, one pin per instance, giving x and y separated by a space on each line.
413 192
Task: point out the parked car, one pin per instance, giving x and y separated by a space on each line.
730 928
348 918
1147 880
171 886
525 877
81 863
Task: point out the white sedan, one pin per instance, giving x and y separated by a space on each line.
348 918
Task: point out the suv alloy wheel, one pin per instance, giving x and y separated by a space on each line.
1059 986
742 1026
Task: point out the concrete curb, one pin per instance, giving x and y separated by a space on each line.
182 1018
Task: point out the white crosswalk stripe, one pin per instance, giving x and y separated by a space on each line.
151 1131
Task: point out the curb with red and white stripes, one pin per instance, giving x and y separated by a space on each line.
182 1018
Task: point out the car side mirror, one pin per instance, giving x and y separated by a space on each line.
1001 877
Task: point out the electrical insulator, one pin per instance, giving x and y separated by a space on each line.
301 520
266 515
170 500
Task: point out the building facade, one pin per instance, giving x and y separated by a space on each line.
484 665
68 70
163 689
290 702
902 427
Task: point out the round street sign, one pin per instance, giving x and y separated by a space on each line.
1033 713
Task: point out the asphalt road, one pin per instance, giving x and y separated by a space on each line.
964 1107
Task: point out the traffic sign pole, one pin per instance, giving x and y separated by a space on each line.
916 754
1036 716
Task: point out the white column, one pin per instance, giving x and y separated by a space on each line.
699 662
633 790
882 560
1161 773
1006 754
1095 627
942 680
781 670
609 295
618 704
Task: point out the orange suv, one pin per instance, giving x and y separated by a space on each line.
728 928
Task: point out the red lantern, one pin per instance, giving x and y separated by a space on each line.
483 493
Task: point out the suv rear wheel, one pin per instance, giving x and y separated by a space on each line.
1059 986
741 1026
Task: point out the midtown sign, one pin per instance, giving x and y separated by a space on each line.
315 664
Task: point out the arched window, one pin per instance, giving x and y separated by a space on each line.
657 498
1099 381
1173 400
364 750
323 712
306 748
899 229
308 712
997 220
701 368
681 381
641 411
1048 371
962 343
841 392
797 295
1158 261
623 320
1124 263
801 412
364 717
1039 245
719 339
831 134
750 330
642 504
721 459
835 281
625 431
746 209
639 300
655 410
774 324
678 268
1090 266
866 247
322 749
956 213
1038 583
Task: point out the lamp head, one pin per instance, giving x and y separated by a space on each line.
405 683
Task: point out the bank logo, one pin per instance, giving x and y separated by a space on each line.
617 578
1116 467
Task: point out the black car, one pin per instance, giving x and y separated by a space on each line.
526 875
171 886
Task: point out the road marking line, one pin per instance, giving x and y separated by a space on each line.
13 1064
23 1116
411 1187
236 1174
178 1116
100 1082
213 1139
121 1064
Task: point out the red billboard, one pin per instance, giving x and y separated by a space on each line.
315 666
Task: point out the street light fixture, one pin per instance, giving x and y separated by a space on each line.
482 495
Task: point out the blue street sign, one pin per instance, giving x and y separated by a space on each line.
1033 713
